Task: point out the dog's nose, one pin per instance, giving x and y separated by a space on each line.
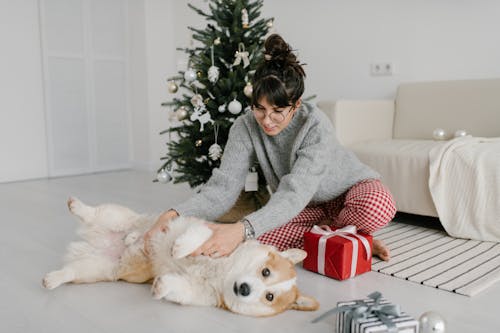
244 289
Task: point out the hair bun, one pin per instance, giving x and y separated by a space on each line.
277 50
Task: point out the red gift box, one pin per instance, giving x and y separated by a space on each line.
340 253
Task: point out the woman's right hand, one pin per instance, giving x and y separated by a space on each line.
161 225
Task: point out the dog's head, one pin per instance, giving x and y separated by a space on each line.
262 281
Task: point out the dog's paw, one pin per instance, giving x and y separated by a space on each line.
171 287
131 238
53 280
190 240
75 205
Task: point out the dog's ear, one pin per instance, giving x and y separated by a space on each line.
294 255
305 303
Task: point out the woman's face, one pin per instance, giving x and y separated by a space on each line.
273 119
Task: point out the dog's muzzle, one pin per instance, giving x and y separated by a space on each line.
243 289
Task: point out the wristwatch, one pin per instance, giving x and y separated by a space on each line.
249 232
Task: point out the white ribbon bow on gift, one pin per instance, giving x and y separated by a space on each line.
346 232
240 55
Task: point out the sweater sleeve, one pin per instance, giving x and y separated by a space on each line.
221 191
297 188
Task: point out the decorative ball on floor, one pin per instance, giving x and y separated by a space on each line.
163 176
460 133
439 134
432 322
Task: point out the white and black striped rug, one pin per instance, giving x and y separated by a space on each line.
434 259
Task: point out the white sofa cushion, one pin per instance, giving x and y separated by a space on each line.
404 167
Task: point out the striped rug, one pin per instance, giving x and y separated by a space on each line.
432 258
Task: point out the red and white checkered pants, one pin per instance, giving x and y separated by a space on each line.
368 205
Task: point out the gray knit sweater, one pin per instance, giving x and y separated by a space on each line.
303 164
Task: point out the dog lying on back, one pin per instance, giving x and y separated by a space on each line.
254 280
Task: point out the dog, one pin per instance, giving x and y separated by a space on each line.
254 280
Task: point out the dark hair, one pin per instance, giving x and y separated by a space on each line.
280 77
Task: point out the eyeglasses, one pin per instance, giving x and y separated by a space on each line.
275 116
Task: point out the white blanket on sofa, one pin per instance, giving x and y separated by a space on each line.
465 185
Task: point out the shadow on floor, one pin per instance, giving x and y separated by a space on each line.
419 220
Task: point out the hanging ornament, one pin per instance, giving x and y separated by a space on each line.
190 75
203 118
432 322
248 90
181 113
164 176
222 108
197 101
439 134
244 18
270 23
241 55
234 106
213 71
460 133
172 87
217 41
198 143
215 151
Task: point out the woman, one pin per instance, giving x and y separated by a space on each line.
312 176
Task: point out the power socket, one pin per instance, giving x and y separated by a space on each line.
381 69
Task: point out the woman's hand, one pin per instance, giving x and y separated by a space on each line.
225 238
161 225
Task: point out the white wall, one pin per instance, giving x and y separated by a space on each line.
339 39
23 149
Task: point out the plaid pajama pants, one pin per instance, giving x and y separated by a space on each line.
368 205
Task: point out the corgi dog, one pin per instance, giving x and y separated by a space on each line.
254 280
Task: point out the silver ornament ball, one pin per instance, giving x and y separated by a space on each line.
163 176
432 322
460 133
222 108
190 75
439 134
234 106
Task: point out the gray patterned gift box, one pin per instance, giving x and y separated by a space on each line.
371 315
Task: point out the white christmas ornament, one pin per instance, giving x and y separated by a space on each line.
432 322
241 55
439 134
163 176
215 151
244 18
248 90
203 118
190 75
217 41
222 108
270 24
213 71
197 101
460 133
172 87
234 106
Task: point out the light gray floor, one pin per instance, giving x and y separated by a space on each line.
36 228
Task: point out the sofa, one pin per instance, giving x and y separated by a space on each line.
395 137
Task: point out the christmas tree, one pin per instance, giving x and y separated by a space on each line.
215 88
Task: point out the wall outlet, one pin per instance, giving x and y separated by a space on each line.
381 69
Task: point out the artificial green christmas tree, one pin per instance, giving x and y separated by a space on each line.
214 89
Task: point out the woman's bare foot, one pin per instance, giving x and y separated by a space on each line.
380 250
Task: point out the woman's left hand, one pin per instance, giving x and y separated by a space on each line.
225 238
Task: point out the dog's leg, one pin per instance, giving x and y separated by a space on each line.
114 217
179 289
83 271
55 278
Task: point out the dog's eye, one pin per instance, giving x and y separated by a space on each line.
269 297
266 272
